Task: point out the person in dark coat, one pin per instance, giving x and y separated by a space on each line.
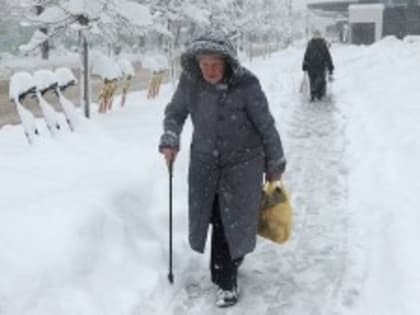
234 143
316 61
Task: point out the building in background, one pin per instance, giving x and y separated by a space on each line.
330 17
401 19
366 21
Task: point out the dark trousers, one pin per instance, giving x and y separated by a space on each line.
317 83
224 269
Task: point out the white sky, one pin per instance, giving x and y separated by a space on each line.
83 215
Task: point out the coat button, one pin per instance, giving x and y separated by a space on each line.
215 153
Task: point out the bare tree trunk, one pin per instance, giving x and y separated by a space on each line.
172 30
45 46
172 62
251 48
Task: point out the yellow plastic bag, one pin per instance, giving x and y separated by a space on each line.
275 216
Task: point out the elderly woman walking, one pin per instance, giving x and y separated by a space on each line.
234 143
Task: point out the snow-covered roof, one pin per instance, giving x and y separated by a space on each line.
105 67
126 67
65 76
20 83
44 79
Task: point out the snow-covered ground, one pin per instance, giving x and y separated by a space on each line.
83 216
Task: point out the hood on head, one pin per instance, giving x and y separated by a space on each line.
210 43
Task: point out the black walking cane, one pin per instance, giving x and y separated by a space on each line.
170 274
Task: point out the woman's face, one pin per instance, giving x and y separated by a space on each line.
212 67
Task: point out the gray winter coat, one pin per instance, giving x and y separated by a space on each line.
234 141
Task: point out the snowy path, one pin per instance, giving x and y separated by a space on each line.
318 180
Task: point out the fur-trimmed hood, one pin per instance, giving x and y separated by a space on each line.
211 43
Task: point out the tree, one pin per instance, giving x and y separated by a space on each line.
105 17
163 24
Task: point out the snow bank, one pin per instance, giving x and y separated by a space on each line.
412 38
78 230
383 150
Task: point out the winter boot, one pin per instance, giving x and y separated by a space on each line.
227 298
